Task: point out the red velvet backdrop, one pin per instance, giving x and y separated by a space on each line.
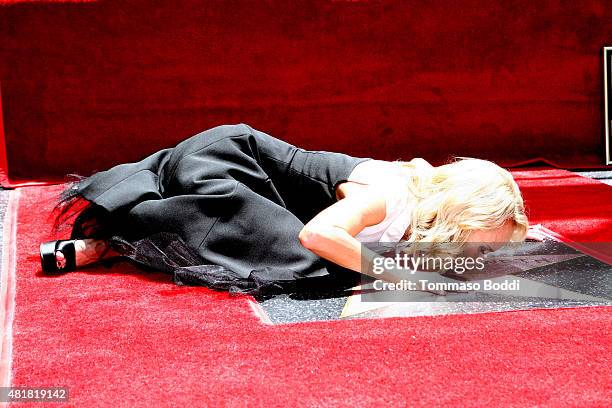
88 85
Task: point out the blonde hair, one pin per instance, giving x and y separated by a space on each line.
463 195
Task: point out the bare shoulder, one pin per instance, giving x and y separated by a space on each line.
371 171
365 176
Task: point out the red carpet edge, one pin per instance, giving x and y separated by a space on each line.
7 287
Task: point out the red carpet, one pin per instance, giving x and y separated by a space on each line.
125 337
576 207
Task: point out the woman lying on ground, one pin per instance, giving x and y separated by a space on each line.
234 208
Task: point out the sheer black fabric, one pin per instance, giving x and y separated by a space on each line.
167 252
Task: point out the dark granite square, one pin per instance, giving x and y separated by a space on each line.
555 276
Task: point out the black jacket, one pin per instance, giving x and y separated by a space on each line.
237 196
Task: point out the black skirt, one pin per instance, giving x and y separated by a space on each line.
221 209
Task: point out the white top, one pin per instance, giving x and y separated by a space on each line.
389 178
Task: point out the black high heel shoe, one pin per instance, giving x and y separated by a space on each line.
48 260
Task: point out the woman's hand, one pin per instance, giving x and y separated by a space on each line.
331 235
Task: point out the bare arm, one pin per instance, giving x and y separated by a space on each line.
331 234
